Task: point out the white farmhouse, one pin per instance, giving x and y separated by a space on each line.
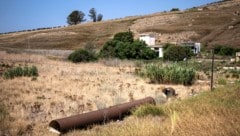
150 41
195 47
148 38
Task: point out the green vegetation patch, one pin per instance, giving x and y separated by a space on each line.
21 71
82 55
148 110
172 74
124 47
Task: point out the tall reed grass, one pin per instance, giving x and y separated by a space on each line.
171 74
20 71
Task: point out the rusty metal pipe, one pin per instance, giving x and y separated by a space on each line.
99 116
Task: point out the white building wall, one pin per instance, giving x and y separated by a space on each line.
149 40
198 47
160 52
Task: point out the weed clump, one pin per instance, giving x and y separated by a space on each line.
21 71
82 55
148 110
172 74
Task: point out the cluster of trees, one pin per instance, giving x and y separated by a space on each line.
175 9
225 50
176 52
76 17
122 46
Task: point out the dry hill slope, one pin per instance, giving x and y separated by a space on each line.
216 23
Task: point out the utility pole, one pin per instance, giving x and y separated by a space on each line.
212 70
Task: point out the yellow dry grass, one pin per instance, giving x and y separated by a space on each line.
63 89
209 114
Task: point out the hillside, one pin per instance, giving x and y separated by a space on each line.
216 23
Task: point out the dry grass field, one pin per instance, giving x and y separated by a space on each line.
63 89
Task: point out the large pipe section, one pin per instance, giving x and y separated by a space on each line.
99 116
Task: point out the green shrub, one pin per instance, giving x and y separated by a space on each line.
135 50
177 53
124 37
108 50
20 71
148 110
175 9
222 81
172 74
126 50
82 55
3 112
225 50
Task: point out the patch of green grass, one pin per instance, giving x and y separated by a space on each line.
148 110
171 74
20 71
222 81
3 112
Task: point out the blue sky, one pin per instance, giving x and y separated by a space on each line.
28 14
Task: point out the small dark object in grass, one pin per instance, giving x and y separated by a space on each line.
169 92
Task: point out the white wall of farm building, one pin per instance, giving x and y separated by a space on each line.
150 40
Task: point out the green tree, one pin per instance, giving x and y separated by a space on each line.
175 9
93 14
124 37
109 49
82 55
225 50
177 53
99 17
75 17
123 47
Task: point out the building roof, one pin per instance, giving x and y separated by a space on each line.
156 46
146 34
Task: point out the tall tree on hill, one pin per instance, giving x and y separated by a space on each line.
75 17
93 15
99 17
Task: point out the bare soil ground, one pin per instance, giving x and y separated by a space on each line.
63 89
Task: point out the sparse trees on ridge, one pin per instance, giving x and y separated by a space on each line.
93 15
75 17
99 17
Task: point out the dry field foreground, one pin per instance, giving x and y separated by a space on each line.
63 89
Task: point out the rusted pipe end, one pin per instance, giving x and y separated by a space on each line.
55 125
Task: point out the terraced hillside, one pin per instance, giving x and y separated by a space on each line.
216 23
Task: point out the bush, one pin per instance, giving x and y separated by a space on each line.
135 50
177 53
222 81
148 110
126 50
225 51
20 71
3 113
124 37
82 55
175 9
169 74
